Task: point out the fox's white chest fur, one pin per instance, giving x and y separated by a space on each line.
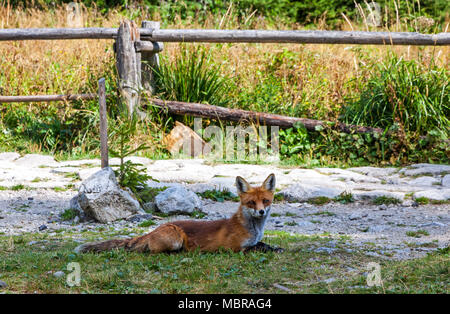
255 226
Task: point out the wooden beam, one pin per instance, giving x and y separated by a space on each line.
47 98
237 115
103 123
231 36
148 46
299 37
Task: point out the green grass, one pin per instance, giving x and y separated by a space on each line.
18 187
417 234
69 214
422 200
219 196
147 223
408 93
319 200
387 200
25 269
345 198
323 213
192 77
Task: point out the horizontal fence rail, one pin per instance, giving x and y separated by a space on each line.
299 37
45 98
231 36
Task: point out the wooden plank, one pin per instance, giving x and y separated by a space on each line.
231 36
103 123
127 65
238 115
300 37
148 46
46 98
61 33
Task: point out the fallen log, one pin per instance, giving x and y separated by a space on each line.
239 115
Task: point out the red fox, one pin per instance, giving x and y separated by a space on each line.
242 232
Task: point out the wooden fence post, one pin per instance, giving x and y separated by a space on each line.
150 59
128 65
103 123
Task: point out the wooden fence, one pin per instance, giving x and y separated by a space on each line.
137 53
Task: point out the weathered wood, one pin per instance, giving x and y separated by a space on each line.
103 123
57 33
300 37
148 46
45 98
229 36
128 67
237 115
150 59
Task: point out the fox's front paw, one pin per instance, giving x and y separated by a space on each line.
278 250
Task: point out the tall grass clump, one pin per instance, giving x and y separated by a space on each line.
413 95
191 77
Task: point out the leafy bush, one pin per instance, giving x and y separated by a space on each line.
192 77
410 94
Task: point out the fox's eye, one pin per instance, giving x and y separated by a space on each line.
266 202
251 203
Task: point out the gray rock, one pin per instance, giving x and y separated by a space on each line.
323 249
3 284
9 156
140 217
302 192
59 274
36 160
383 207
425 169
424 181
42 227
435 194
329 280
177 199
149 206
369 195
446 181
101 198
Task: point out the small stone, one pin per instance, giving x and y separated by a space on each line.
149 207
329 280
383 207
30 198
42 227
140 217
3 284
325 250
59 274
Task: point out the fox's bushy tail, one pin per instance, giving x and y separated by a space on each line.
96 247
166 238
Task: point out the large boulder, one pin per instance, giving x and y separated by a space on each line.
101 198
176 200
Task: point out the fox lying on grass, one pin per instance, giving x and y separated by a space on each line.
242 232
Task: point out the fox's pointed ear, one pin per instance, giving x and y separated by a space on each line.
269 183
242 185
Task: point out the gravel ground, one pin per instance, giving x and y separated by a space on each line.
382 230
36 189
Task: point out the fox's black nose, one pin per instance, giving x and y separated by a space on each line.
261 212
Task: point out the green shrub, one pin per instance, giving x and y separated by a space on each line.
191 77
407 93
